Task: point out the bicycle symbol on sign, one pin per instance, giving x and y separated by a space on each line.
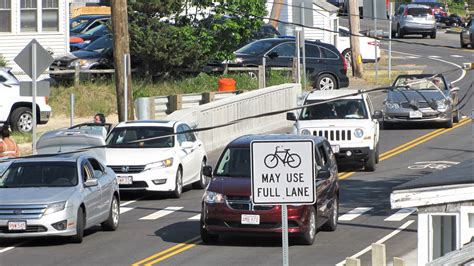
438 165
293 160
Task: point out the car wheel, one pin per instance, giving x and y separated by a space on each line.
463 45
80 223
433 35
377 154
399 32
457 117
348 56
326 82
331 224
310 234
178 184
370 164
207 237
424 35
112 223
449 124
203 180
22 119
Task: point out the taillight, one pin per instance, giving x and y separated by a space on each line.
432 12
344 61
46 100
405 13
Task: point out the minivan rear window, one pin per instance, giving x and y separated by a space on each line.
419 11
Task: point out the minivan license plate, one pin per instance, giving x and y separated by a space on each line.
124 180
416 114
250 219
17 226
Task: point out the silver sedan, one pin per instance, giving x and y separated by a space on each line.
57 196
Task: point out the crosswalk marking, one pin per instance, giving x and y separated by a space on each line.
161 213
125 209
456 55
195 217
400 215
351 215
434 56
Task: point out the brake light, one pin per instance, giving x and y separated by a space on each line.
46 100
405 13
344 62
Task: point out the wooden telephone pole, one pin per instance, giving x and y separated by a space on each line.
121 47
354 22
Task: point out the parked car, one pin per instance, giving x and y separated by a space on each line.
104 129
80 40
367 49
83 23
414 19
350 124
421 98
16 109
467 35
97 55
325 66
57 196
163 164
227 199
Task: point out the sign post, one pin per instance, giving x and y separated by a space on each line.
283 173
33 60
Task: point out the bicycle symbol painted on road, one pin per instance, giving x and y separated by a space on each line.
438 165
293 160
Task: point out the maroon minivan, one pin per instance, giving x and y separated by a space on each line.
228 208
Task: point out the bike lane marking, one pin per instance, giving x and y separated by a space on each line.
400 215
352 214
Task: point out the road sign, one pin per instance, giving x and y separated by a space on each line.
283 172
25 62
42 87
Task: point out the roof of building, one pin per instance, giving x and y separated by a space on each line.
325 5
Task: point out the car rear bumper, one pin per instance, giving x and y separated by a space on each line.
419 28
44 117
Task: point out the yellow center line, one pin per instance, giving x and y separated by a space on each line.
166 251
186 247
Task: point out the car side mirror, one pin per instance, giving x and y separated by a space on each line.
324 174
272 55
290 116
207 170
377 114
187 145
91 182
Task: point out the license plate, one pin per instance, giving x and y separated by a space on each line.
17 226
416 114
250 219
335 148
124 180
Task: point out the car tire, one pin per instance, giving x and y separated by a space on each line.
326 82
22 120
463 45
386 125
433 35
424 35
178 190
348 57
370 164
457 117
112 222
310 234
399 32
206 237
203 180
331 224
80 223
377 154
449 124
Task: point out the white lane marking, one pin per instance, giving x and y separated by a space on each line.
195 217
456 65
413 57
456 55
161 213
434 56
125 209
400 215
351 215
14 246
383 239
127 202
403 53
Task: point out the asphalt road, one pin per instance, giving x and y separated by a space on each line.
173 238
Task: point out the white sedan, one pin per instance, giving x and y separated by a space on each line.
367 46
156 156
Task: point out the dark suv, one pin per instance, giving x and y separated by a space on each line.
227 199
325 66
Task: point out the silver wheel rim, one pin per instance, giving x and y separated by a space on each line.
326 83
335 212
25 122
115 212
179 183
348 58
312 225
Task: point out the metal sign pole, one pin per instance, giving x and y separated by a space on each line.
303 50
33 86
284 232
125 84
298 55
376 47
71 104
390 41
264 67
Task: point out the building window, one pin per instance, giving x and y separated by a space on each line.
50 15
444 235
5 16
28 15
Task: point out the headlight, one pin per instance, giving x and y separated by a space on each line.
442 106
359 132
305 132
392 105
55 207
213 197
161 164
80 62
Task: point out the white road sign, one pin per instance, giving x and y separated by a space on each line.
283 172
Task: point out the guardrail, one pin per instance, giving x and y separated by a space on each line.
242 105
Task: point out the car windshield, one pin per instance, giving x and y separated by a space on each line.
421 83
39 174
235 162
78 24
99 29
255 48
340 109
104 42
129 137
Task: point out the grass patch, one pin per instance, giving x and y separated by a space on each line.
382 77
21 138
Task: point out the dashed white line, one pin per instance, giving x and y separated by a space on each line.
125 209
162 213
434 56
14 246
195 217
400 215
351 215
413 57
456 55
127 202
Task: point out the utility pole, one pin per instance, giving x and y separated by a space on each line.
355 47
121 47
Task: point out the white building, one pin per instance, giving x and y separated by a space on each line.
445 203
47 21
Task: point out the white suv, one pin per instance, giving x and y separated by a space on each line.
162 164
349 123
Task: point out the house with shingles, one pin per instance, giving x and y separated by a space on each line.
445 203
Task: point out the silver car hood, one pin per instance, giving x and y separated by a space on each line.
34 195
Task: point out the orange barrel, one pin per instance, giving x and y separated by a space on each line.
226 84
